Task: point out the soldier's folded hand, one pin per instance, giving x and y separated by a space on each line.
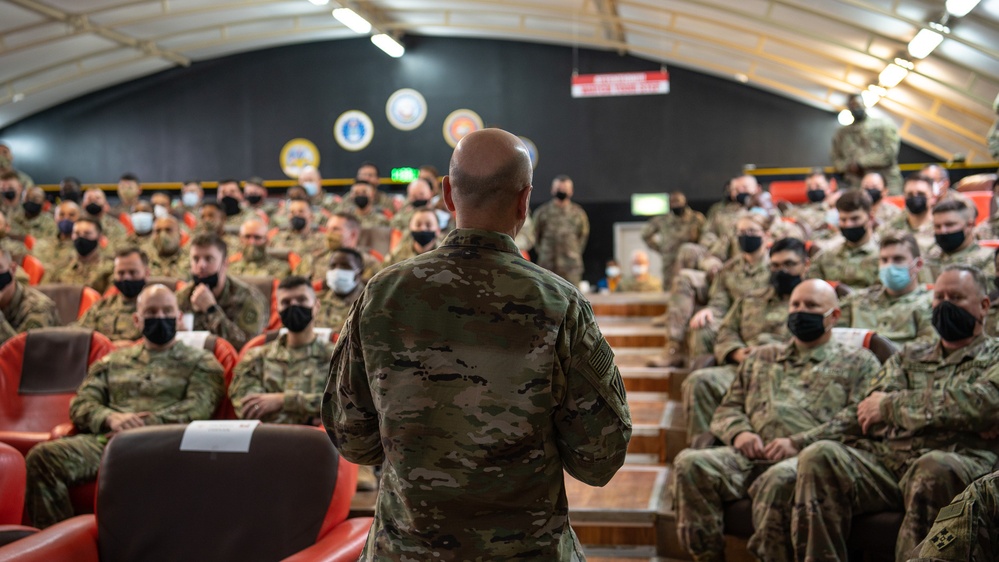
202 298
121 421
750 445
780 449
869 411
702 318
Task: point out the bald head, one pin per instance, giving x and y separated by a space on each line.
156 300
253 232
489 168
818 291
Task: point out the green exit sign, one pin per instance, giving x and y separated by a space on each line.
404 175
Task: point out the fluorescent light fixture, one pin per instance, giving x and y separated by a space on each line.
845 117
871 98
320 2
391 47
960 8
923 43
892 75
349 17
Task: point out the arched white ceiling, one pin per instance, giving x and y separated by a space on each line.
813 51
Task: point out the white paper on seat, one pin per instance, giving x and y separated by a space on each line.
219 436
194 339
322 334
850 337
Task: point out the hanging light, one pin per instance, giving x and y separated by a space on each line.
845 117
960 8
872 97
349 17
320 2
386 43
926 41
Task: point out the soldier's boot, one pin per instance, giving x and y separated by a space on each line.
366 479
674 357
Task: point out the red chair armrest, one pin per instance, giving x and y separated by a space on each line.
63 430
11 533
73 539
342 544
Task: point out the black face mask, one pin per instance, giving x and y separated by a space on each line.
858 114
230 205
362 201
65 227
423 237
806 326
420 203
916 204
750 244
209 281
296 318
678 211
951 241
816 195
952 322
875 194
854 234
9 195
130 288
31 208
84 246
561 195
5 278
94 209
159 331
741 198
297 223
254 199
783 282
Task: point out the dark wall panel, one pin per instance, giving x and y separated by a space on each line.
231 116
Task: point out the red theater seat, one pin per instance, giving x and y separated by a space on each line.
33 268
286 498
792 191
72 301
12 483
40 372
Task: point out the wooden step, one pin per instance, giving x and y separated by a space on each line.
628 304
635 356
645 379
648 419
675 431
633 334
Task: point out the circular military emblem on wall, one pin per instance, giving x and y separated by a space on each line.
459 123
297 154
353 130
406 109
532 150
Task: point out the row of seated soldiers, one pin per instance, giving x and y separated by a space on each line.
157 379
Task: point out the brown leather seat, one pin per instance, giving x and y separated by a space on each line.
71 300
377 238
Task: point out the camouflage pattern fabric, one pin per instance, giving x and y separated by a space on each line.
177 265
112 316
53 252
333 308
475 377
40 226
238 317
645 284
268 266
665 233
856 266
923 234
562 233
403 251
96 274
873 145
902 319
965 530
302 244
936 260
28 309
316 265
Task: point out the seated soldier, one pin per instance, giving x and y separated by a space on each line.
664 234
882 211
899 307
142 226
10 243
230 196
112 315
992 318
30 217
23 308
88 266
424 234
211 218
283 381
95 205
301 236
953 230
167 258
612 281
56 250
757 319
744 272
342 231
253 259
158 381
341 288
641 281
988 229
925 431
782 400
915 218
256 198
361 203
854 260
221 304
967 530
814 214
418 194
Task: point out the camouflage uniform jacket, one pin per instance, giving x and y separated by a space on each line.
177 385
375 217
302 244
937 402
737 278
112 316
902 319
238 316
177 265
28 309
298 373
873 145
937 260
404 251
812 215
114 231
333 308
720 222
758 318
664 234
270 266
994 132
475 377
317 264
561 233
923 234
806 395
95 274
988 229
886 212
41 226
54 252
856 266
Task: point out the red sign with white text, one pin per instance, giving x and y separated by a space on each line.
620 84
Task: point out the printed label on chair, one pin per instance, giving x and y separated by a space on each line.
219 436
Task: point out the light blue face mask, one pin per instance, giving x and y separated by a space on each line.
760 211
895 277
142 222
311 187
190 199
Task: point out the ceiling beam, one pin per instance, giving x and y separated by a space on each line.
611 22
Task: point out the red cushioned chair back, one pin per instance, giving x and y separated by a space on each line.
40 372
67 299
12 481
155 501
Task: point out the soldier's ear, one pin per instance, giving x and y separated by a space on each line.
448 200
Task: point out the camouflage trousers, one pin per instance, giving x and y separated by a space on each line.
688 291
53 467
966 530
702 392
836 482
706 479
